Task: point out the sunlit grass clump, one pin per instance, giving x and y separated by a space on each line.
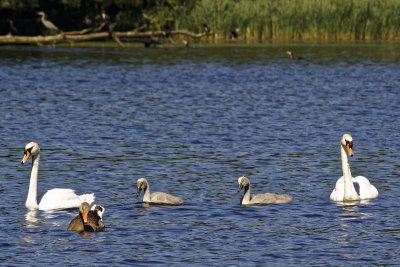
297 19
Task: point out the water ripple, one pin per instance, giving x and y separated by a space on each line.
192 122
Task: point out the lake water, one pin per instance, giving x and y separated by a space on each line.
192 121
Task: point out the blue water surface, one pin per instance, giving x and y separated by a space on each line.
192 121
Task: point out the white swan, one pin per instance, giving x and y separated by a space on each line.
348 188
267 198
156 197
57 198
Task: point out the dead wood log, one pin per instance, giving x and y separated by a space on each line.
87 35
13 39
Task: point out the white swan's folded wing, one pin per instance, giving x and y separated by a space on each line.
60 198
338 192
367 190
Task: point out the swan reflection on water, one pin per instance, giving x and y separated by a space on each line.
32 223
142 207
346 232
351 212
31 220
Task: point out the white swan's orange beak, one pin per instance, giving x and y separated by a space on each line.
349 150
27 154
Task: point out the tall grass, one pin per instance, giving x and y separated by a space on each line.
297 19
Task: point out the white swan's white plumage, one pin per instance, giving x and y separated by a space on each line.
348 188
57 198
61 198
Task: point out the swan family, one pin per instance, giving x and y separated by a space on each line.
347 189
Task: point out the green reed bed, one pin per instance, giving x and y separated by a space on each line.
296 19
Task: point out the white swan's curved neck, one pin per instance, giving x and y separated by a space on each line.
246 196
146 194
31 200
350 193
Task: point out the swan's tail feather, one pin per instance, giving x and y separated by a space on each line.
89 198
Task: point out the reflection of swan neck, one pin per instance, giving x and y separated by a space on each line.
146 193
31 201
31 217
349 189
246 195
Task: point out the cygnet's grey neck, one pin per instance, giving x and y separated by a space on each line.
146 194
246 195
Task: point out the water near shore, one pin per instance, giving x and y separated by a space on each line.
192 121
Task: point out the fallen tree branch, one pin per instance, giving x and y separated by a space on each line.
86 35
12 39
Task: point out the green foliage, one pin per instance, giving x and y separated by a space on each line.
18 5
299 19
257 19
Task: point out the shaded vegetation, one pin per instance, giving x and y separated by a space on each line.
249 19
